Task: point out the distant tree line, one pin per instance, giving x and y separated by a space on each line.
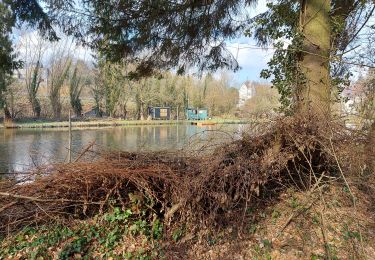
119 95
53 79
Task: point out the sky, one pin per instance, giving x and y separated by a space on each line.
251 58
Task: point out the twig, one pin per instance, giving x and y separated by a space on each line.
7 206
84 151
294 215
350 191
173 210
304 209
326 246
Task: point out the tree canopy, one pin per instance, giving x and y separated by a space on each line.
7 57
179 34
159 34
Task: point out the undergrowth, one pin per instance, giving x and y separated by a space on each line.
119 234
267 234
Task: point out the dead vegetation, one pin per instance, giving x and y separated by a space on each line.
208 191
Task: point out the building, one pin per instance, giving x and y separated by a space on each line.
196 114
160 113
246 91
353 96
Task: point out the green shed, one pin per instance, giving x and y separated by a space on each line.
196 114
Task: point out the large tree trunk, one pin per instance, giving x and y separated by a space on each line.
313 95
370 148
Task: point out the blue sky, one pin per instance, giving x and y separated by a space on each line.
251 58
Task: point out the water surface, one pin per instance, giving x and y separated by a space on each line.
22 149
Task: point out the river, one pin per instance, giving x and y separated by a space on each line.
23 149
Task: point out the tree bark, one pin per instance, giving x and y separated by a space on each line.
7 114
313 95
125 111
35 106
142 115
56 107
370 148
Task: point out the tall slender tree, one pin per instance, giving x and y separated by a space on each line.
76 83
33 49
59 63
33 87
57 77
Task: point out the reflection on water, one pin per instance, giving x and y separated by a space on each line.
22 149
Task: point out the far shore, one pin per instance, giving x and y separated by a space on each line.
111 123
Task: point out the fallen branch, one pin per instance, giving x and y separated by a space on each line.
84 151
5 194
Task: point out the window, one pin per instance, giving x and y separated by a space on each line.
163 112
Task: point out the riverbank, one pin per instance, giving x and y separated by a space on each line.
112 123
253 198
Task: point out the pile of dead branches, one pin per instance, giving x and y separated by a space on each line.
210 189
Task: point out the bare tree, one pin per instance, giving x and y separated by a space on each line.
33 48
59 66
78 80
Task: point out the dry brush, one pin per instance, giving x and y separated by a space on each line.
213 189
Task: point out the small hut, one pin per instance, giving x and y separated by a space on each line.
196 114
160 113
